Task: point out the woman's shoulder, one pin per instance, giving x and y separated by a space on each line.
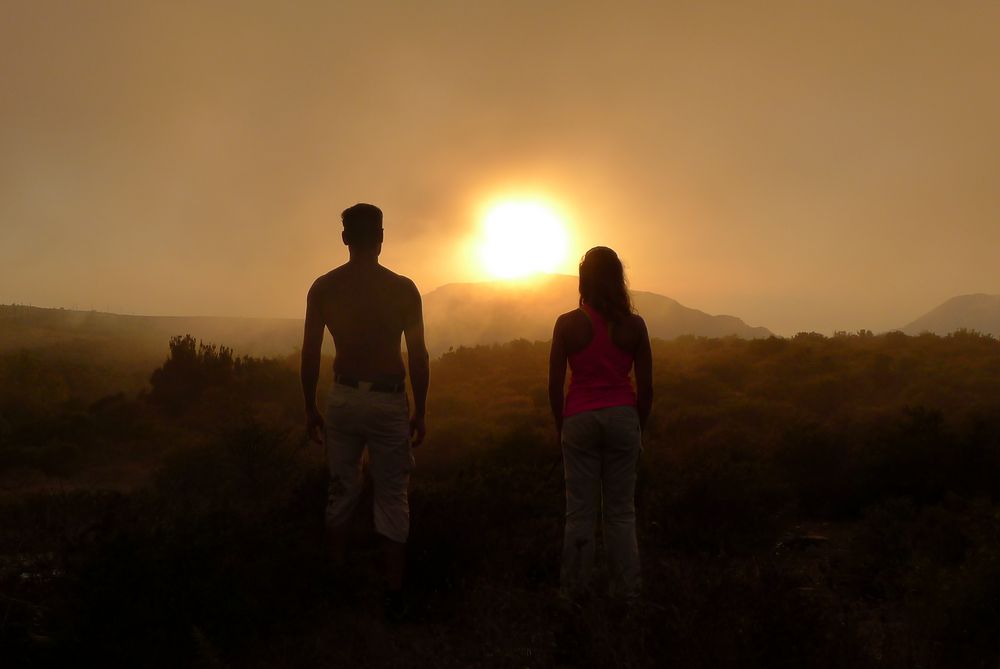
573 328
630 332
578 315
637 321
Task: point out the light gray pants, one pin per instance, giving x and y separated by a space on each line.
356 419
600 455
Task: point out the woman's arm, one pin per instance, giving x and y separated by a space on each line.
643 374
557 374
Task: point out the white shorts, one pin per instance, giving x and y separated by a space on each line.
356 419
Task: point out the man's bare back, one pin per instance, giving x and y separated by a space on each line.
367 308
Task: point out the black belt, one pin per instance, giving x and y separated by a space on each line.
377 387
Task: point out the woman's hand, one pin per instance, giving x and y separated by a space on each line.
315 425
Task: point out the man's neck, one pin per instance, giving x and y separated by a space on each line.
363 259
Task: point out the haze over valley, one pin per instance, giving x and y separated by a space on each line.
455 315
461 314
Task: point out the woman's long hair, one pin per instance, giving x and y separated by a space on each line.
603 285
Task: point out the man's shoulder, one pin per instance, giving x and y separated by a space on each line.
402 282
327 280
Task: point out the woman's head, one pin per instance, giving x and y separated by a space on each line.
603 285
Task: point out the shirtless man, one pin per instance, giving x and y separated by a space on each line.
366 308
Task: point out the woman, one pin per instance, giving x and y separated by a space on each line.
601 421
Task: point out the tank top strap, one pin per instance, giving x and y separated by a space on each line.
598 325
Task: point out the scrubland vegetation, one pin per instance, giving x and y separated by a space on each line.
813 501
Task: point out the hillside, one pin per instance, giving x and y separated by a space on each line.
455 314
494 312
978 312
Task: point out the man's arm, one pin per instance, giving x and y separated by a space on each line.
419 363
643 375
557 375
312 345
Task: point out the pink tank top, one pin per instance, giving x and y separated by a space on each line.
599 373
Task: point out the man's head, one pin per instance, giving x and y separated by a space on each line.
362 227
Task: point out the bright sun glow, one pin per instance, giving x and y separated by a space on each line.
521 238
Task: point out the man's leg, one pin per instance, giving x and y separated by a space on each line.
337 539
388 438
582 466
394 562
344 447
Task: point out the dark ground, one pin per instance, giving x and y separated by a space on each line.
806 502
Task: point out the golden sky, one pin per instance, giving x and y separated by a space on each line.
802 165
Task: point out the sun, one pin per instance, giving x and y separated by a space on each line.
521 238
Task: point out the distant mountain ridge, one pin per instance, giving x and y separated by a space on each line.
493 312
979 311
455 315
142 336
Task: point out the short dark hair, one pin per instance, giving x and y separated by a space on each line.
362 225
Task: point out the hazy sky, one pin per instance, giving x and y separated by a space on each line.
802 165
